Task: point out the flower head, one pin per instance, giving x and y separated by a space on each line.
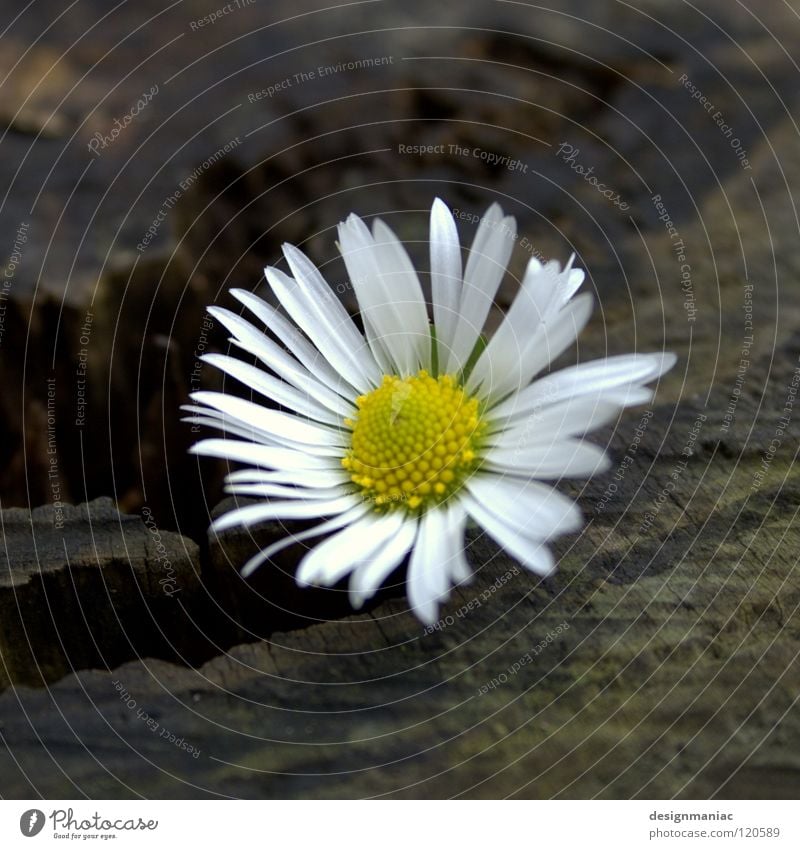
395 437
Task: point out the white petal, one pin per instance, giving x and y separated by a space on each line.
283 364
379 350
284 426
553 337
486 266
532 553
572 417
500 366
535 509
273 490
252 514
203 417
630 396
377 298
402 281
366 578
428 575
459 570
332 559
272 387
575 278
561 458
330 328
618 376
208 417
331 315
301 477
345 518
266 456
353 243
446 269
289 335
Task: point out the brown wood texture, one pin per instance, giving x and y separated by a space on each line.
661 660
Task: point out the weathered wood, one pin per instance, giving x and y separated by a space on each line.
89 587
662 662
663 654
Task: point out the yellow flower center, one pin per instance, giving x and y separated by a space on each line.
414 441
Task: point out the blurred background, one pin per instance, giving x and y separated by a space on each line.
155 156
143 211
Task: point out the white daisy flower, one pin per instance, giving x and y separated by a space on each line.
396 437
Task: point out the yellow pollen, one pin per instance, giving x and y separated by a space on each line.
414 441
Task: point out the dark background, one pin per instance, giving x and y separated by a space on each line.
677 674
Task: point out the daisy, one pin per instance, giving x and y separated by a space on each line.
397 436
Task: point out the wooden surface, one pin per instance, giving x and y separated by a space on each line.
662 658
